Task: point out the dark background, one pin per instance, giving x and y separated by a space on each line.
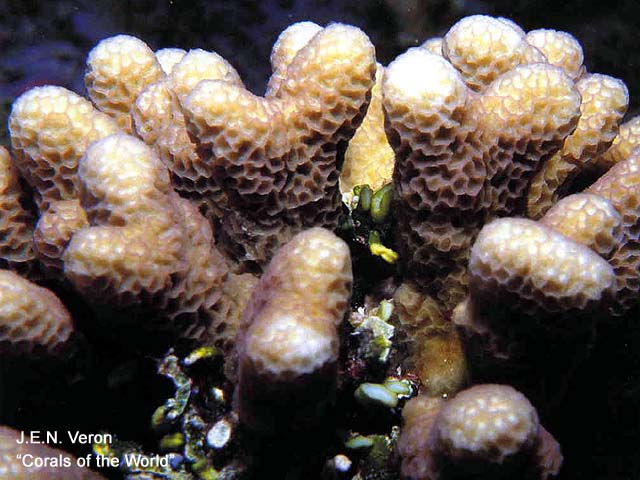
45 42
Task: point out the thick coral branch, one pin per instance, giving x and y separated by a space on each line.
288 350
277 157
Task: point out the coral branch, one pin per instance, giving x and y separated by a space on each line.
489 428
32 319
277 157
289 350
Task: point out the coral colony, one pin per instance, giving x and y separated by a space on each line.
357 236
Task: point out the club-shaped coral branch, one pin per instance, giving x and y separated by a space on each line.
288 349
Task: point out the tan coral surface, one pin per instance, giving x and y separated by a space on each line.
439 171
536 268
277 157
465 157
621 186
32 318
433 45
159 120
168 57
289 43
51 128
414 442
626 265
560 49
369 158
588 219
434 349
300 300
489 422
627 139
291 338
118 69
53 232
604 103
527 112
145 246
482 48
16 221
480 427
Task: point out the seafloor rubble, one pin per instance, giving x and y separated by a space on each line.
299 264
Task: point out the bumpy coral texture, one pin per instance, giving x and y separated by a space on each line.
289 43
301 298
483 48
51 128
463 157
526 277
291 321
621 186
13 455
434 349
604 103
439 172
486 421
32 319
277 157
53 232
536 268
452 288
16 221
587 219
369 158
560 49
118 69
626 265
160 122
125 189
529 111
206 300
145 246
483 425
627 139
